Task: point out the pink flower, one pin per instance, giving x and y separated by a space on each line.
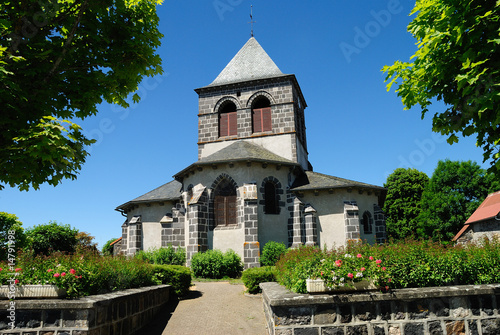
362 269
370 258
389 280
1 269
18 269
321 272
16 281
49 270
350 275
72 271
338 262
360 256
383 268
56 274
378 261
63 274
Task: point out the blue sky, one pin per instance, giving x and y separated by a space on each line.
355 128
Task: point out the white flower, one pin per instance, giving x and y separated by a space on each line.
342 279
341 284
359 275
347 256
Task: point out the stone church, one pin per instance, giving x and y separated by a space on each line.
252 182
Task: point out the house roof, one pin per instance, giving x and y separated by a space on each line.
116 241
240 151
168 191
488 209
250 63
314 181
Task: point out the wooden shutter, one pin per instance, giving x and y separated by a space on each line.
228 124
262 120
225 210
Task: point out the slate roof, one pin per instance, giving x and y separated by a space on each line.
315 181
168 191
250 63
241 151
488 209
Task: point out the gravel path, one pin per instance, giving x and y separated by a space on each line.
212 308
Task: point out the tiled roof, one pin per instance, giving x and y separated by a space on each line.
250 63
168 191
240 151
488 209
314 181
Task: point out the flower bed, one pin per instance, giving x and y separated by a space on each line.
397 265
79 275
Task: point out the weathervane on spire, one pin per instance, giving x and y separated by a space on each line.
251 20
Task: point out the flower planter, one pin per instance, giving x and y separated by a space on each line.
33 291
318 286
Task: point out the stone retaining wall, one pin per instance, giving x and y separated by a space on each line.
473 310
123 312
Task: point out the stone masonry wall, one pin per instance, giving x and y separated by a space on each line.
123 312
460 310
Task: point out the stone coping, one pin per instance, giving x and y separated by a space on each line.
78 303
277 295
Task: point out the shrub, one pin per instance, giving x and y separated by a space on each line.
50 237
167 255
176 275
254 276
214 264
271 253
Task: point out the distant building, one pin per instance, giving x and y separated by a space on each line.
253 182
484 222
117 246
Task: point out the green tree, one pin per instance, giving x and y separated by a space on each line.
58 61
10 223
453 193
458 63
52 236
402 204
107 249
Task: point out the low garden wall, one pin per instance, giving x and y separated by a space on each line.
471 309
122 312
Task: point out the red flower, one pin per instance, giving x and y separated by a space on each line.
338 262
360 256
18 269
362 269
321 272
49 270
72 271
56 274
350 275
378 261
1 269
383 268
389 280
63 274
16 281
370 258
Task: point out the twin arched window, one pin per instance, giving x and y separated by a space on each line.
261 117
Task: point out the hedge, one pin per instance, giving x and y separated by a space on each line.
176 275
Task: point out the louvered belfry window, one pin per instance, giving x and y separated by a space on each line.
262 120
225 204
261 115
228 125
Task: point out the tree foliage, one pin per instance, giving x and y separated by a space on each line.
58 61
453 193
107 249
47 238
10 223
457 62
402 204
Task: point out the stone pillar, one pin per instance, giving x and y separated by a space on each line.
197 216
351 219
251 247
135 238
379 218
173 231
298 223
124 245
310 225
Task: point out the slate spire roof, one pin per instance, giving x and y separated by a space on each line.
250 63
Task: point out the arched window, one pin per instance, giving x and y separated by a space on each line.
228 125
261 115
271 205
367 223
225 203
